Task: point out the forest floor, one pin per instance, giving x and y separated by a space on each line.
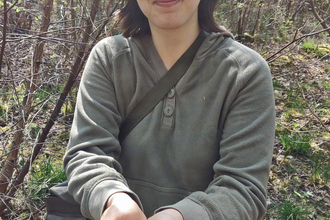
299 184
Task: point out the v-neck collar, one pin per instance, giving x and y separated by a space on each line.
154 57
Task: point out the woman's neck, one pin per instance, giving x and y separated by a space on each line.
171 44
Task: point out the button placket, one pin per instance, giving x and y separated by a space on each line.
169 107
171 93
168 110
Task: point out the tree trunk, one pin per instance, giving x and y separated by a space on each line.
256 25
288 9
242 19
73 18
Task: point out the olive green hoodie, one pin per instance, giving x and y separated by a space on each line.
204 150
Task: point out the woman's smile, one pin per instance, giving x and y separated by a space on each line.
170 14
166 3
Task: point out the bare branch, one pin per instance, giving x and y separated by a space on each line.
13 5
271 58
4 32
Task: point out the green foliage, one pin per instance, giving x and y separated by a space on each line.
327 68
319 50
309 45
276 84
3 109
295 144
34 130
323 49
294 101
290 169
44 175
224 5
321 168
68 108
45 92
289 211
240 5
47 171
10 4
326 86
304 195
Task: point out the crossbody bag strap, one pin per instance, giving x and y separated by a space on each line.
164 85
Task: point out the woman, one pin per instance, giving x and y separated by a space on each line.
204 152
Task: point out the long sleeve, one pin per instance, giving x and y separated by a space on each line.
211 162
238 190
91 159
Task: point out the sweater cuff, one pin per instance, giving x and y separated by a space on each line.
100 194
188 209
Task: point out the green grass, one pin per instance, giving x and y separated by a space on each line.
318 49
290 169
309 45
294 101
276 84
289 211
321 168
290 114
3 109
44 92
326 85
295 144
43 175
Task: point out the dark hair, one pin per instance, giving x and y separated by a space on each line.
133 22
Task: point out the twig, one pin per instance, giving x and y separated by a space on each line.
36 211
310 109
13 5
53 39
270 59
4 32
294 14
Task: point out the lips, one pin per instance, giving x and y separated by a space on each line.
166 3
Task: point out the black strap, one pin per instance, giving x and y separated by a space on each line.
163 86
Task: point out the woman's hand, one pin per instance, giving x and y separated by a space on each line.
121 206
167 214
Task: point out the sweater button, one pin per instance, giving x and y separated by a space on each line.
171 93
168 111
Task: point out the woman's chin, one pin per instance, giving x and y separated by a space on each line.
167 24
